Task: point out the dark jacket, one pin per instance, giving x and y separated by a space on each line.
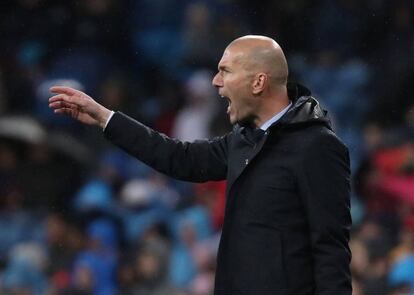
287 217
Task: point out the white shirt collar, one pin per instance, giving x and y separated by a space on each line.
276 117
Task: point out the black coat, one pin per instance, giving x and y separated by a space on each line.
287 217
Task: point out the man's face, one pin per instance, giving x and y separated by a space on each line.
234 84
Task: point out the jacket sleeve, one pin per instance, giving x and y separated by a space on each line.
199 161
325 189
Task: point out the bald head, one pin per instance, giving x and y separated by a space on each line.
252 76
262 54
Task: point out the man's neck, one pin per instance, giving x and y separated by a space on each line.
275 118
270 107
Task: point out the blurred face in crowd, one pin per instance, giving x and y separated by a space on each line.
148 266
233 81
55 229
83 278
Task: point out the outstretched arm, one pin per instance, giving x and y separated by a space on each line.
78 105
199 161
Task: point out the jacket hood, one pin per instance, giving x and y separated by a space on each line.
305 108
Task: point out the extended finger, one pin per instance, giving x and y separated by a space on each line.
61 104
63 111
57 97
75 100
67 111
69 95
64 89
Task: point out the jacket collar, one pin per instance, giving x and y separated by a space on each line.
305 108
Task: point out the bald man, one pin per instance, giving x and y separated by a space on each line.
287 216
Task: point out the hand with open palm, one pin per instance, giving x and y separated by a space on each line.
78 105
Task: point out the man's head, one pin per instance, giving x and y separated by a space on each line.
252 74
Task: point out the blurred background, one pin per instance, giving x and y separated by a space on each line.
78 216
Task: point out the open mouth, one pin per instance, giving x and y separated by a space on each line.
228 102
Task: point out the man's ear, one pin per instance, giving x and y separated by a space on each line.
259 83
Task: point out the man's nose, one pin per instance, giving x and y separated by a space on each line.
217 82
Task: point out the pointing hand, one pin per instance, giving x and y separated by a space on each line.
78 105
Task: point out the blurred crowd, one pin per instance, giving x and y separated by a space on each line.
79 216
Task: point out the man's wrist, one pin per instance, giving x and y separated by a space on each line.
107 119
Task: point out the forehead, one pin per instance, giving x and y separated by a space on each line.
231 57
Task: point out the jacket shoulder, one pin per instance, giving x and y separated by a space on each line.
316 135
